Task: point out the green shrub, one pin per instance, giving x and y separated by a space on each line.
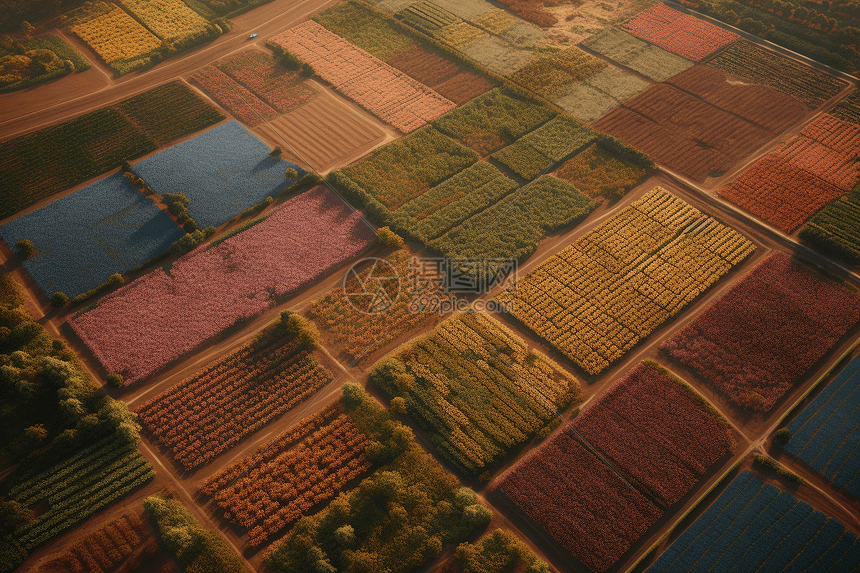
782 436
114 380
25 248
115 279
189 226
769 464
305 331
388 237
291 173
59 299
276 151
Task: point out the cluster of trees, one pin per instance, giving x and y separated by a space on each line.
197 549
396 520
829 35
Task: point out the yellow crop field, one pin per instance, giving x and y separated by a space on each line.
598 297
115 35
168 19
459 34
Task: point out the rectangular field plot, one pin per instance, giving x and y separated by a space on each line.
679 33
444 76
754 63
76 488
597 298
232 96
146 324
383 90
835 229
493 120
762 335
324 132
698 123
286 477
657 431
282 89
649 60
222 172
754 526
477 388
787 186
81 239
604 170
170 20
849 108
242 392
362 333
825 434
120 40
580 502
39 164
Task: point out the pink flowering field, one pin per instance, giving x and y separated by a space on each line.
381 89
154 320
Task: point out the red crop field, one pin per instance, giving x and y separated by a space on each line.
657 431
286 477
787 186
766 331
281 88
699 124
439 73
213 410
679 33
146 324
232 96
580 502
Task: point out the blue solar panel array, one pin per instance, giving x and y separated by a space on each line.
754 526
826 434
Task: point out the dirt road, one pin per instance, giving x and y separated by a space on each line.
33 108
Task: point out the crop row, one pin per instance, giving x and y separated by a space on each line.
213 410
362 333
282 89
813 168
146 324
232 96
657 431
766 331
476 387
47 161
649 60
823 435
835 229
74 490
597 172
381 89
440 74
597 298
679 33
309 465
579 501
170 20
103 549
802 82
849 108
757 527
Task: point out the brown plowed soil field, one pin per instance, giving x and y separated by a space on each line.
440 74
699 123
325 132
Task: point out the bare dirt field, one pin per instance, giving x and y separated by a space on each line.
325 132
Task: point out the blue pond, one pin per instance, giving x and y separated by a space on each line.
222 171
104 228
754 526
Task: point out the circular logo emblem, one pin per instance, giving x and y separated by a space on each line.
372 285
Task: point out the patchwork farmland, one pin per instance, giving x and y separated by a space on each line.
429 286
